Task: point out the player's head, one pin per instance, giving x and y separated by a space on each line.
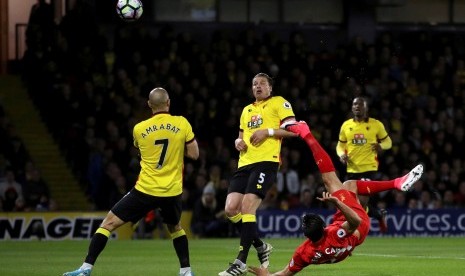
262 86
159 100
360 107
313 226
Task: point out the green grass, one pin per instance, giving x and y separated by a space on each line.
377 257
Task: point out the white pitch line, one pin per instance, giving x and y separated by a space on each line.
405 256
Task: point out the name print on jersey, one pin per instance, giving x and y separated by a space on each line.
168 127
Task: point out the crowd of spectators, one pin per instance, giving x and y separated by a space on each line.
97 81
22 187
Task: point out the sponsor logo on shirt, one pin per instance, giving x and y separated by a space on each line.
255 121
359 139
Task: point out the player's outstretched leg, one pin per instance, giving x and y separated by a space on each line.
406 182
322 159
298 127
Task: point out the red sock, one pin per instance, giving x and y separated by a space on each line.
368 187
322 159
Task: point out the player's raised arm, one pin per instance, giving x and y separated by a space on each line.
353 220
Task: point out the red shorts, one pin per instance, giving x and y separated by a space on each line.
350 199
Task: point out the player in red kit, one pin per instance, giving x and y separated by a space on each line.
350 225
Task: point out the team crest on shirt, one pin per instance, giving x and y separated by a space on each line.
287 105
341 233
255 121
359 139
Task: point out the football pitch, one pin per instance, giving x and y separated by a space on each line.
376 257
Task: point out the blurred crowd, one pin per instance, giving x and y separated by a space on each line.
22 187
97 78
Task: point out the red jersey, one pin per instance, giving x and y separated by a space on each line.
336 244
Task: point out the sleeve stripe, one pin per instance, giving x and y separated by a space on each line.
286 118
383 138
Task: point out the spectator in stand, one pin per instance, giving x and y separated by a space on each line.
459 196
309 182
208 218
214 175
17 155
196 192
222 192
10 191
400 201
270 202
426 200
36 191
448 199
288 184
306 200
4 165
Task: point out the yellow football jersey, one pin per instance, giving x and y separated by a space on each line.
358 137
265 114
161 141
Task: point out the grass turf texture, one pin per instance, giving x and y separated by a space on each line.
377 256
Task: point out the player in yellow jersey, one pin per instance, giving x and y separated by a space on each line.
259 144
360 140
163 140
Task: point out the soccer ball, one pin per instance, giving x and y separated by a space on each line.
129 10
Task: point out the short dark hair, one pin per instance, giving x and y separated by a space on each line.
313 226
268 78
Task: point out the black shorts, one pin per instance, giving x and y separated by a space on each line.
135 205
255 178
371 175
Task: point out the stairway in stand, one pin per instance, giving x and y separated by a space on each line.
45 152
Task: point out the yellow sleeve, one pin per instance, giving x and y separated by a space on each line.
341 148
189 132
384 140
134 141
242 124
386 143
